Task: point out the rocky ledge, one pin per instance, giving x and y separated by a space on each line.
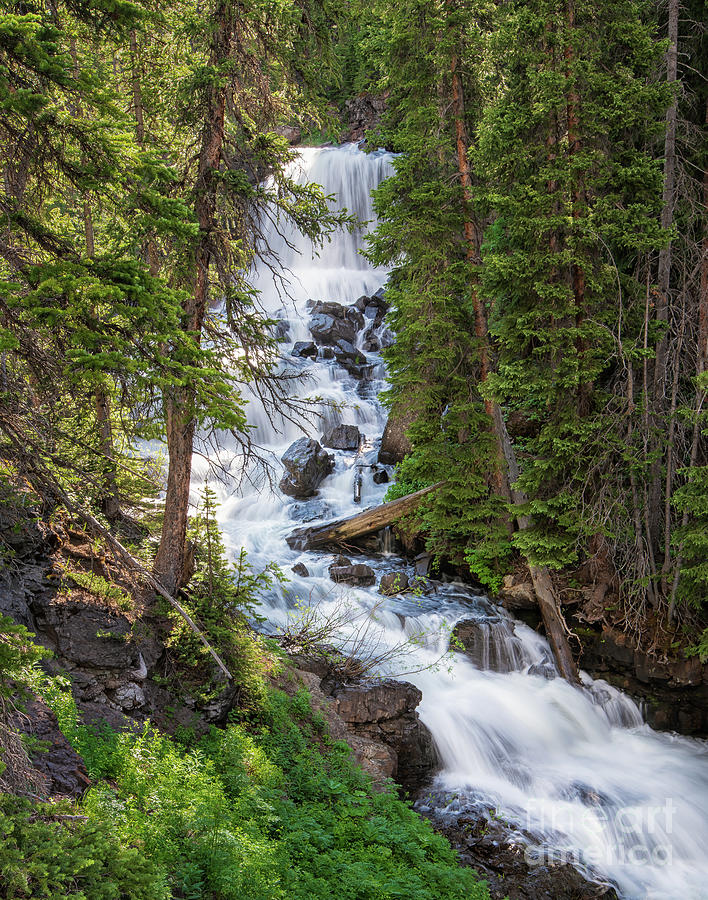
378 720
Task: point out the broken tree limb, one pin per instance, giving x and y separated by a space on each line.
150 579
359 525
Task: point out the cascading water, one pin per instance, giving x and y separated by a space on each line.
575 770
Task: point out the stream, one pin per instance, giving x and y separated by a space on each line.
574 770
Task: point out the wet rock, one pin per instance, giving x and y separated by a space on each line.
346 353
385 712
393 583
325 353
332 322
422 563
394 443
309 511
362 303
491 644
497 851
672 694
371 342
304 349
386 338
280 331
301 570
358 575
340 560
342 437
307 465
379 297
380 476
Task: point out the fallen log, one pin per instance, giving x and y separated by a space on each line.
359 525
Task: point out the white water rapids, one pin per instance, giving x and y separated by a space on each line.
574 768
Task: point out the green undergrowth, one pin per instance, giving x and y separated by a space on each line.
268 808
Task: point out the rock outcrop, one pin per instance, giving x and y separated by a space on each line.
363 113
307 465
385 712
377 719
673 694
332 322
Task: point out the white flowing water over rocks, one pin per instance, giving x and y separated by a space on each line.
575 770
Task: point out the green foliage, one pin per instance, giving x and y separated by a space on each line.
47 852
268 811
19 658
222 598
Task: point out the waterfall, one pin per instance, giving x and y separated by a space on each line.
574 770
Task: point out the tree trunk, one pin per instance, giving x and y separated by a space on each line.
359 525
667 210
503 478
179 403
662 298
473 239
577 200
137 91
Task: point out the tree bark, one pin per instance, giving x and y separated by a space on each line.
577 199
179 402
474 241
553 621
667 210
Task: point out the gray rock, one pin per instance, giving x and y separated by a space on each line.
385 712
332 322
380 476
393 583
302 349
307 465
358 575
362 303
280 331
340 561
130 696
394 443
309 510
371 343
342 437
301 569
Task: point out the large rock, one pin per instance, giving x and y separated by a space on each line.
394 443
332 322
358 575
304 349
342 437
307 466
393 583
385 712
